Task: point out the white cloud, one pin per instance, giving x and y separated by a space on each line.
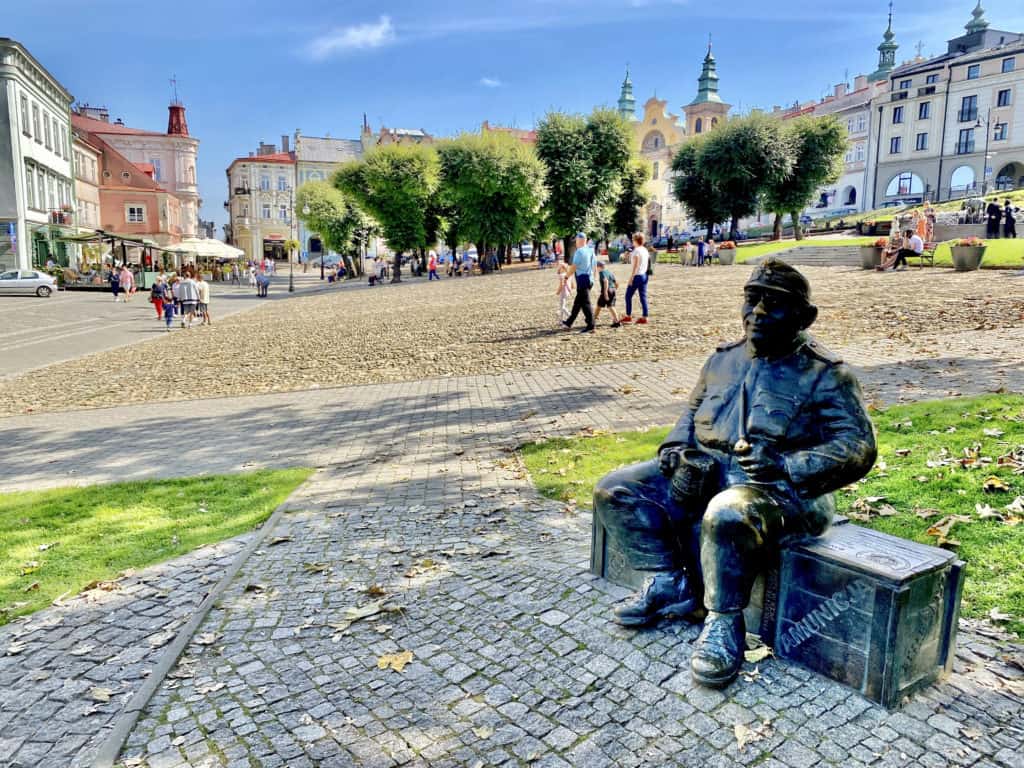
355 38
490 82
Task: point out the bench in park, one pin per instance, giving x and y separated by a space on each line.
872 611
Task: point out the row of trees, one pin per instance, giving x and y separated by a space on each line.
491 190
758 163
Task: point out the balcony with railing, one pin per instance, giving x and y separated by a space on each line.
964 147
61 216
967 115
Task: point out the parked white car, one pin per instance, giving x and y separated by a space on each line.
27 281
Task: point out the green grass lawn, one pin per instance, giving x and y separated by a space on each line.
56 542
919 469
999 254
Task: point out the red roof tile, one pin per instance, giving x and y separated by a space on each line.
278 157
101 127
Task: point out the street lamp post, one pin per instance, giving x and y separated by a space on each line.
305 212
984 160
291 227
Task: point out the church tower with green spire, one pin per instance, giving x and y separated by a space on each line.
627 104
707 109
886 53
978 23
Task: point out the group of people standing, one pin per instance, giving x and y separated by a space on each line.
580 274
994 215
187 296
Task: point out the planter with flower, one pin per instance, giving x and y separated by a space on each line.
871 255
727 253
967 253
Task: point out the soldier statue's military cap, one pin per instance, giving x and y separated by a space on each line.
777 275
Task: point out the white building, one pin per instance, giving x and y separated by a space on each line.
316 159
261 201
36 189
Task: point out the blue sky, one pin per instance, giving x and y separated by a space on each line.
254 70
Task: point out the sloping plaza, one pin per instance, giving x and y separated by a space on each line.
416 602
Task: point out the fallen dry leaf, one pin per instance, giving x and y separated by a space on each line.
395 661
745 735
484 732
279 540
994 432
207 638
995 484
100 694
927 513
996 615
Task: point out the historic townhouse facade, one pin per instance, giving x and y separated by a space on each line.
316 159
261 202
37 197
953 125
86 158
172 157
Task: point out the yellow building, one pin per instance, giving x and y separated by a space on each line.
659 134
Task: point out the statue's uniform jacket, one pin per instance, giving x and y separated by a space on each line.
806 407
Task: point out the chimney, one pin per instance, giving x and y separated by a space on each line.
176 125
840 90
284 142
859 82
119 121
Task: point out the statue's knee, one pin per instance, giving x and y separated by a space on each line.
727 512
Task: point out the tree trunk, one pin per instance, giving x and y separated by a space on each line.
397 268
481 258
569 243
536 250
734 224
710 232
798 233
777 227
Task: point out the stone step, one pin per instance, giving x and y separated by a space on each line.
818 256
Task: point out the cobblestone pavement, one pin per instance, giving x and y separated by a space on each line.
67 673
513 658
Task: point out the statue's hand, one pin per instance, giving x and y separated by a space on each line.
669 461
762 463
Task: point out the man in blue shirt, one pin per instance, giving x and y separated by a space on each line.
583 263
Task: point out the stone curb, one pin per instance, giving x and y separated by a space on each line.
106 756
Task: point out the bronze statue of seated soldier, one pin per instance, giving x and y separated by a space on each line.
775 424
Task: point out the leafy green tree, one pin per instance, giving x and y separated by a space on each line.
584 159
632 197
693 187
331 216
744 157
395 184
493 186
818 145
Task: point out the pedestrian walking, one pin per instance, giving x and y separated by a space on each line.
582 268
203 309
640 263
993 213
252 275
563 291
1009 221
156 296
168 307
188 294
235 276
176 294
115 282
606 284
432 267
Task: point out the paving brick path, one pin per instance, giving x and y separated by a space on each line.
514 661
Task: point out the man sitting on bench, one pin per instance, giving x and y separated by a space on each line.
912 245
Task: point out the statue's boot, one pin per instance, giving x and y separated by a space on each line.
718 655
663 594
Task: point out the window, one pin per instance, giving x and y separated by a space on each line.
974 71
158 173
266 210
77 163
245 209
51 193
30 187
962 179
904 84
965 142
968 109
1009 64
282 212
25 126
858 155
922 142
654 171
897 114
906 183
924 110
135 214
931 79
265 183
64 141
895 145
41 189
1001 132
849 125
697 126
862 123
46 129
282 184
37 130
1003 98
849 155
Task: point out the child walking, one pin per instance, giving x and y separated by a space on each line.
607 298
563 292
